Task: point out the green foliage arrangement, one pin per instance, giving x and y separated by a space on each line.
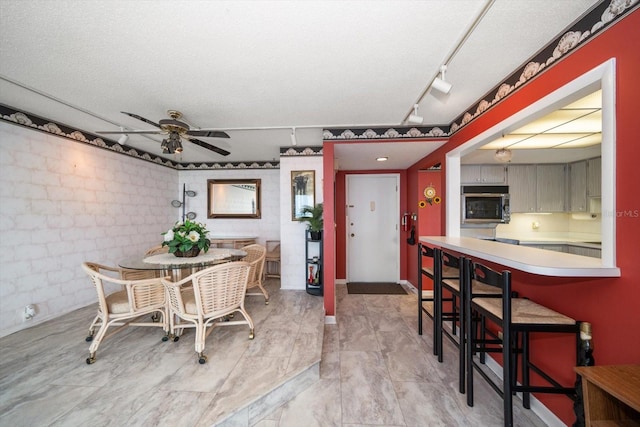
313 217
185 236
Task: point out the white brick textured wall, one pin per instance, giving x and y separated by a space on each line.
293 263
62 203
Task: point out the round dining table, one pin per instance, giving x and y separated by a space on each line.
176 267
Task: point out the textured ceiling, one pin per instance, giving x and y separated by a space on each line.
264 64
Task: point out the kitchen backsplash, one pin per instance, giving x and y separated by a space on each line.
532 225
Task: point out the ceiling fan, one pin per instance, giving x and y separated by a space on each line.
175 130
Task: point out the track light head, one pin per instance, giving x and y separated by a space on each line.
294 141
415 118
124 138
440 84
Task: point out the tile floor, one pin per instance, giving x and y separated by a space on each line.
375 370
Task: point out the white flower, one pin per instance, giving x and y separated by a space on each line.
194 236
168 236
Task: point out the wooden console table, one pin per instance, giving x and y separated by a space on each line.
611 395
233 242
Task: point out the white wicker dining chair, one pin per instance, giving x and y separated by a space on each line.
217 293
138 297
256 255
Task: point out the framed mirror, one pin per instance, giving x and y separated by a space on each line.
233 198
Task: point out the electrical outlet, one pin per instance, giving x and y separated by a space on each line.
29 312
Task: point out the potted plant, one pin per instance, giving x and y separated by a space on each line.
187 239
312 215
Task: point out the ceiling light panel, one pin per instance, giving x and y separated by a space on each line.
589 123
551 121
547 140
590 101
505 141
586 141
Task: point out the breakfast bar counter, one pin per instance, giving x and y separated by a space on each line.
530 260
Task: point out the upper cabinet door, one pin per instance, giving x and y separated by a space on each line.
578 186
594 168
551 183
522 188
483 174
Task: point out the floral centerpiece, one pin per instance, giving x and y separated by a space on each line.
186 239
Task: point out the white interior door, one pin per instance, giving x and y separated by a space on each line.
373 235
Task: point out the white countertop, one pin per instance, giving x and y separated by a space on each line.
530 260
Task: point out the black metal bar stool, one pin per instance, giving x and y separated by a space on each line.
516 317
429 296
452 286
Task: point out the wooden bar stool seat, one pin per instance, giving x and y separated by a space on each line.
516 318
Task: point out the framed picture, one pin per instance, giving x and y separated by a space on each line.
303 192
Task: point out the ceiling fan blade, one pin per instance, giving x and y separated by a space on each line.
209 146
135 116
208 133
130 131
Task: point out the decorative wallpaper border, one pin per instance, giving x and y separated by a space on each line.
601 16
399 132
32 121
300 151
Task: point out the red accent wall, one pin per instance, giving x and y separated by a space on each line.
429 220
612 305
329 232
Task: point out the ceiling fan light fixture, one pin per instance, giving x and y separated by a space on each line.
440 84
415 118
172 144
503 155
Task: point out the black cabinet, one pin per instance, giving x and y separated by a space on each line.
313 256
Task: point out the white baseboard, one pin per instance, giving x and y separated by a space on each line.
548 417
330 320
341 281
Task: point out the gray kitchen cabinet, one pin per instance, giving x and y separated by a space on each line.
483 174
522 188
551 187
548 247
570 249
580 250
578 186
594 171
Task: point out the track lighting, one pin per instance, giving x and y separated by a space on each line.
294 141
440 84
124 138
415 118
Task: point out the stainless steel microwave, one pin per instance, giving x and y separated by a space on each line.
485 204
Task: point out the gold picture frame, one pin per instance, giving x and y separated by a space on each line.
233 198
